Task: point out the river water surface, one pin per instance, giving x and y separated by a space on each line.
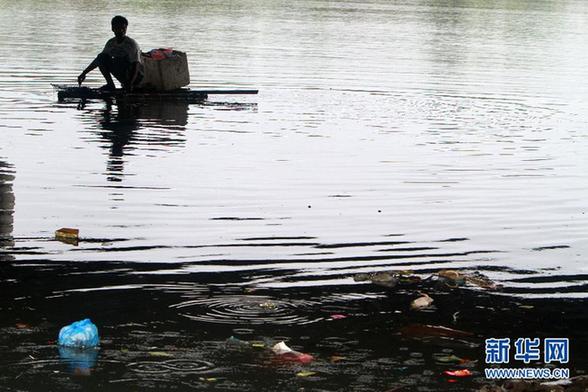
387 135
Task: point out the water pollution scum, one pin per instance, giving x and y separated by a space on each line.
443 281
79 343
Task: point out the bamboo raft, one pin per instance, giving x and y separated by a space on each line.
65 92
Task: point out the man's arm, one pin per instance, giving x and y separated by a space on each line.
93 65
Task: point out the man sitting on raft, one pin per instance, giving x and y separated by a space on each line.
120 57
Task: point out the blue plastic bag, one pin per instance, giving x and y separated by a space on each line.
81 334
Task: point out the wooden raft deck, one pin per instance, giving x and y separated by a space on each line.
65 92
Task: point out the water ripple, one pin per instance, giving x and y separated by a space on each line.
249 310
180 366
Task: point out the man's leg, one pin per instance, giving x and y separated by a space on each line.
105 66
121 69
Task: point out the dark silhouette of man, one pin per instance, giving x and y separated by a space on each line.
120 57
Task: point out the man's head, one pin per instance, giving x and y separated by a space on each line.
119 26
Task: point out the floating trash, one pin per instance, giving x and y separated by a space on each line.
268 305
281 348
80 334
286 353
443 279
422 302
386 279
454 279
482 281
67 235
458 373
451 278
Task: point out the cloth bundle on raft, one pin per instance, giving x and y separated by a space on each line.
165 70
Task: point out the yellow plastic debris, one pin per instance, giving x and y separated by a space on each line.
268 305
305 373
67 235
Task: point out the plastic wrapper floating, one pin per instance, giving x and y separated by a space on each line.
422 302
80 334
286 353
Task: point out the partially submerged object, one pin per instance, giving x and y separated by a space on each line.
422 302
286 353
458 373
384 279
388 279
453 279
65 92
67 235
80 334
443 279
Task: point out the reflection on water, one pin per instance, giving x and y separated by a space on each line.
123 125
6 206
79 361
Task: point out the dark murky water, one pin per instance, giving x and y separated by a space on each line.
403 135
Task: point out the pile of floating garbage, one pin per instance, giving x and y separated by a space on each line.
78 343
440 281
